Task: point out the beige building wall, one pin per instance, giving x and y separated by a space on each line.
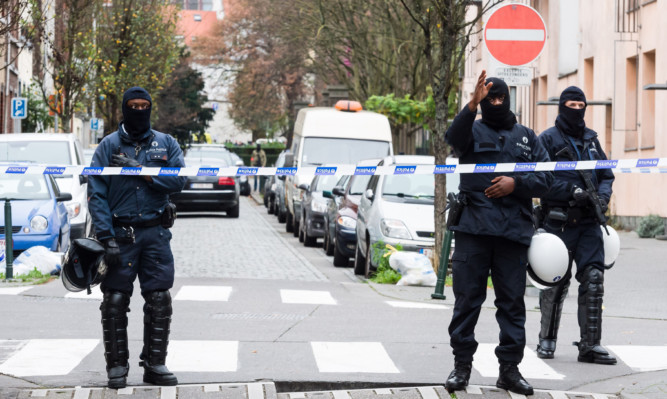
613 55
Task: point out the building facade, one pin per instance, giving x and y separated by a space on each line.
615 51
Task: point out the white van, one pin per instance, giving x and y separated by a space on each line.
54 149
344 134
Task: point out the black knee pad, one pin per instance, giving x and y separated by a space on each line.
593 275
158 302
115 303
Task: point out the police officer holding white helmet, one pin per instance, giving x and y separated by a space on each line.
574 210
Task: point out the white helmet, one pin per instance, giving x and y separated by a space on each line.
612 246
548 259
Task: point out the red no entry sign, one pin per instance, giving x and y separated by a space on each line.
515 34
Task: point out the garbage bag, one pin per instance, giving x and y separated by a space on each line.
38 257
414 268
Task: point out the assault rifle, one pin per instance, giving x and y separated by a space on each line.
590 188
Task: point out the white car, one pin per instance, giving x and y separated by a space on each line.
54 149
396 209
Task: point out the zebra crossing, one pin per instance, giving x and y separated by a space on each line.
59 357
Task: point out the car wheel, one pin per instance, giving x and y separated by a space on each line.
289 222
301 226
233 212
367 263
297 226
359 262
266 200
328 244
281 216
308 241
339 260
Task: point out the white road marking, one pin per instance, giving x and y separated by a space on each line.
307 297
81 393
48 357
428 392
13 290
558 395
520 35
474 389
203 356
41 393
203 293
486 363
352 357
96 293
383 391
340 394
211 387
642 358
125 391
256 390
416 305
168 393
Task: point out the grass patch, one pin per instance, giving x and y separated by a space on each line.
384 274
34 277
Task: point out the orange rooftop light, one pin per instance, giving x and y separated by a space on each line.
348 106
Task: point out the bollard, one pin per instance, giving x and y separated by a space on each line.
442 269
9 243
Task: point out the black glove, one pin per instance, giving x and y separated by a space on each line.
604 205
112 253
581 196
123 161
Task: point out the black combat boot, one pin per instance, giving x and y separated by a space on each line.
591 291
114 309
459 377
551 308
157 317
510 379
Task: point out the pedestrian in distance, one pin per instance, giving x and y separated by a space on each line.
132 216
574 209
258 158
494 231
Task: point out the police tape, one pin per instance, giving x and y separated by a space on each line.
634 165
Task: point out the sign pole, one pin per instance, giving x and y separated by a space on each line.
9 242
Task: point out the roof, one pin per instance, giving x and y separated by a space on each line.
409 160
37 137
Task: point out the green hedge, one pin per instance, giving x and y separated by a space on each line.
272 151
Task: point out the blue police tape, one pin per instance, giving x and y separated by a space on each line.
634 165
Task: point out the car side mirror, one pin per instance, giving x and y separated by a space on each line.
64 197
339 191
281 177
83 179
289 160
369 194
304 186
327 194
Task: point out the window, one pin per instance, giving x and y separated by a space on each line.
648 102
631 104
197 17
626 16
192 5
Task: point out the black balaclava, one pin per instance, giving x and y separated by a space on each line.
571 121
136 122
498 116
259 147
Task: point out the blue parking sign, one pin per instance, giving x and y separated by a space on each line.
94 124
19 107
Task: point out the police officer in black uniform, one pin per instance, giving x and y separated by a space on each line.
570 213
132 216
494 230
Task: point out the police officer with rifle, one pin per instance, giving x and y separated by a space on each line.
574 210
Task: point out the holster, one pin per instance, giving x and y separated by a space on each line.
456 205
169 215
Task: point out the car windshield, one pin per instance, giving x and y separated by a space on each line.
24 187
413 186
326 183
43 152
201 152
324 150
358 184
204 162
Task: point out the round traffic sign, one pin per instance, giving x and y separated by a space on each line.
515 34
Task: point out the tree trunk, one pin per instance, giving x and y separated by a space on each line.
440 152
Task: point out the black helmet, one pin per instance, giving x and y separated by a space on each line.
84 265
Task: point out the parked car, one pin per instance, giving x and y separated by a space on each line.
271 186
54 149
341 238
208 193
39 213
314 208
396 209
88 155
332 210
244 184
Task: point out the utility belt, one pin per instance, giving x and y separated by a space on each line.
560 217
125 230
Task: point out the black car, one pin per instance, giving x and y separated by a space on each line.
314 208
208 193
271 192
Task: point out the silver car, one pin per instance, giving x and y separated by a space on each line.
396 209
